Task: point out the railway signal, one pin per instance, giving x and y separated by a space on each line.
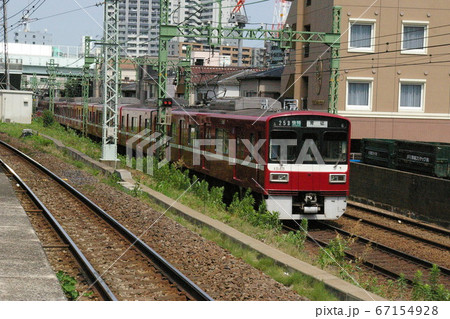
167 102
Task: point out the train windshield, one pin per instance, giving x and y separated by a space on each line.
320 147
334 149
283 146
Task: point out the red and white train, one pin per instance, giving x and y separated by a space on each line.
298 160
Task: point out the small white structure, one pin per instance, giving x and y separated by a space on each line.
16 106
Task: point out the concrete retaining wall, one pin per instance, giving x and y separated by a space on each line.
418 196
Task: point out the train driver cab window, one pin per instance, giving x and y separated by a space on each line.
334 147
276 152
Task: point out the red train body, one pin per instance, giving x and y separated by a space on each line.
299 161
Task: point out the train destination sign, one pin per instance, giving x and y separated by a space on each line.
320 124
287 123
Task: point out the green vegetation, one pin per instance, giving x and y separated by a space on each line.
334 253
432 291
68 136
298 237
48 119
68 285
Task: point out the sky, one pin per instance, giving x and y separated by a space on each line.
69 20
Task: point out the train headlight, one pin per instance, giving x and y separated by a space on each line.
338 178
279 177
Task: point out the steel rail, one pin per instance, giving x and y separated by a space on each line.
398 231
406 220
373 264
173 274
387 249
95 279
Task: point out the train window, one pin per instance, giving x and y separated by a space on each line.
240 148
180 131
221 141
277 139
208 137
252 142
311 146
334 148
133 124
192 135
174 129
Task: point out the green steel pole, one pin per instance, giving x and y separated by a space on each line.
335 63
51 70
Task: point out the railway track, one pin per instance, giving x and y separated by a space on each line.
383 248
426 233
384 259
118 264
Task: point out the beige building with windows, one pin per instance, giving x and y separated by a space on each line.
394 75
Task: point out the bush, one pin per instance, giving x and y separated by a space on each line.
47 118
244 208
432 291
334 253
298 238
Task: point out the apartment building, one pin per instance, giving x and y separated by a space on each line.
394 75
33 37
228 54
139 22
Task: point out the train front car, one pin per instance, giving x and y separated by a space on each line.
307 165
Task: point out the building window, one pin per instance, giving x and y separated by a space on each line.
414 37
412 95
308 3
361 36
359 94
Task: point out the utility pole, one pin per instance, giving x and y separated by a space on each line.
110 80
5 36
88 61
334 63
186 64
241 20
51 70
34 88
166 33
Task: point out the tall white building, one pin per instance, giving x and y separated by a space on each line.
139 22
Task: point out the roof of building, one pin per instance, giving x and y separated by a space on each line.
223 75
274 73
